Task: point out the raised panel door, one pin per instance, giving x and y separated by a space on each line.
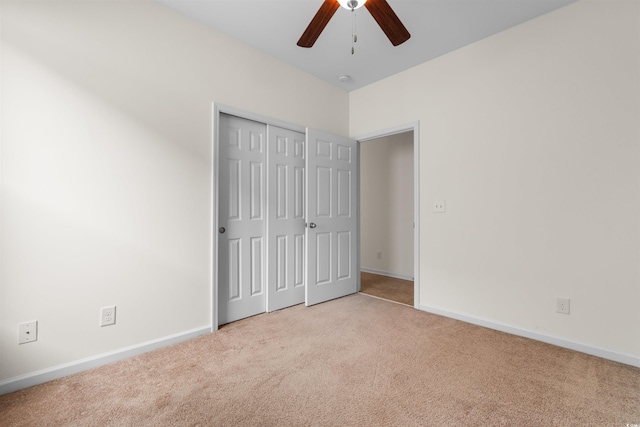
286 219
241 218
333 225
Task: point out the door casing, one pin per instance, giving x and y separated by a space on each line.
415 128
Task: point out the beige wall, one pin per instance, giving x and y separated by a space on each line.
386 205
106 169
532 137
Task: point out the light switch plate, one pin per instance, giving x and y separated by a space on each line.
439 206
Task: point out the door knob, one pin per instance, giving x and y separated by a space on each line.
312 225
222 230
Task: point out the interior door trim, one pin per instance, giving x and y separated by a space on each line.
415 127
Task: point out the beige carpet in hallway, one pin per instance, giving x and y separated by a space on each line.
397 290
354 361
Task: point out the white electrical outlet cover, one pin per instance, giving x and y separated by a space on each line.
108 315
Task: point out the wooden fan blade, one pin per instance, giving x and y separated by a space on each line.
317 24
388 21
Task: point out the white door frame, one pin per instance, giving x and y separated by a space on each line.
217 110
408 127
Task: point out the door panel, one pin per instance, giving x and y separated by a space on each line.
257 261
234 189
285 231
257 188
299 261
299 192
234 255
323 192
344 193
281 263
333 227
241 291
344 254
323 258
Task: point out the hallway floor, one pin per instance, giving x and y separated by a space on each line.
389 288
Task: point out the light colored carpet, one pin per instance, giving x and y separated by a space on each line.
354 361
397 290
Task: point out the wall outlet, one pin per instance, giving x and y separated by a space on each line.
108 315
439 206
379 255
27 332
563 305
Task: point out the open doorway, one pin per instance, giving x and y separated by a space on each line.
387 209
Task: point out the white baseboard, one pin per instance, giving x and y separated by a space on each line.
386 273
549 339
45 375
42 376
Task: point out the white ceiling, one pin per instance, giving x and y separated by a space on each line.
436 26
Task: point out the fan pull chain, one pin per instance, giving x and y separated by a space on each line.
354 37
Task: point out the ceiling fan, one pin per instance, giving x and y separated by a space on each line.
379 9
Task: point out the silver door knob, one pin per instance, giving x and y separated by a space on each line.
312 225
222 230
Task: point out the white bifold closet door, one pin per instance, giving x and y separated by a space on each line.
241 218
271 183
286 218
332 168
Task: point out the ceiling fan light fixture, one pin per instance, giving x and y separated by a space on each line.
352 4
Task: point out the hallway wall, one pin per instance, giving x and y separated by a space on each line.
386 203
